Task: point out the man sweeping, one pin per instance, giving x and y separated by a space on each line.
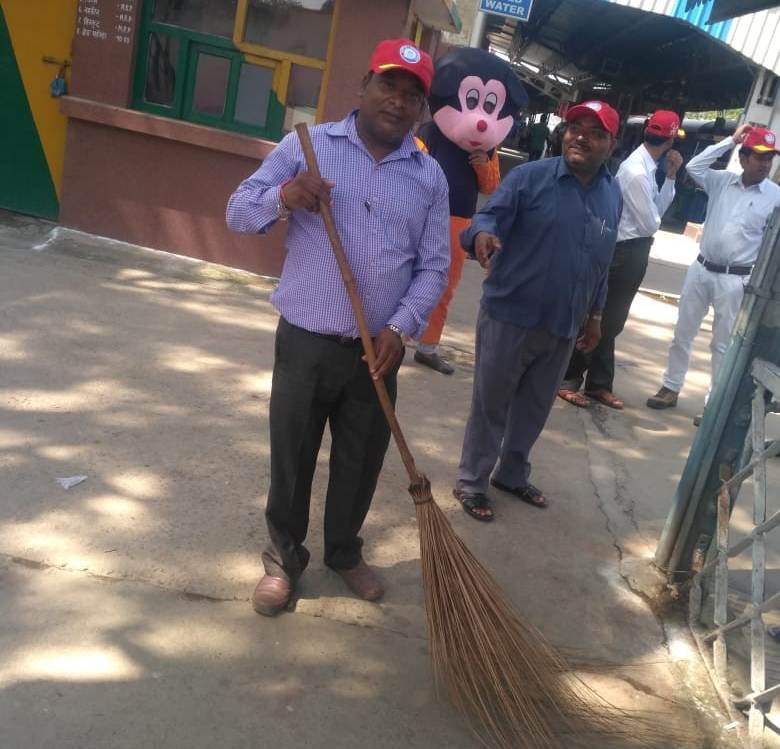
547 237
391 209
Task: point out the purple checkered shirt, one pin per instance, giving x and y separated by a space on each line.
393 219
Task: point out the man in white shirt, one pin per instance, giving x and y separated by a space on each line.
738 209
643 206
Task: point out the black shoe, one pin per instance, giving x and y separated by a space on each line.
664 398
528 493
697 419
434 361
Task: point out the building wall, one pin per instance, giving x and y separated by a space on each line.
467 10
761 115
161 193
42 28
361 26
164 183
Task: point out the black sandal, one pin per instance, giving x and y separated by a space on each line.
528 493
473 502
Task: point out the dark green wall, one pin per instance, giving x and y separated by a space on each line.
25 181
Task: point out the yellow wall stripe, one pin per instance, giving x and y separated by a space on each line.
38 29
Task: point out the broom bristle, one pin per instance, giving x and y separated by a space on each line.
501 674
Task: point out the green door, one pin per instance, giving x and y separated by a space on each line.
25 181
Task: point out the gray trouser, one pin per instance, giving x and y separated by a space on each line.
516 377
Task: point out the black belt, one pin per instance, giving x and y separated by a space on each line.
735 270
342 340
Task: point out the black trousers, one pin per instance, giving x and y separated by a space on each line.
625 277
318 380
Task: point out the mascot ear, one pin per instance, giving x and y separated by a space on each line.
447 79
516 92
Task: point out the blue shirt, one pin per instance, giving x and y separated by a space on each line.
393 220
557 240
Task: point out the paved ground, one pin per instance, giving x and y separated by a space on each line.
124 615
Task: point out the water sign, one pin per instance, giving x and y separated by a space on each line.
519 9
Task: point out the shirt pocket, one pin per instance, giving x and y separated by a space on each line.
403 224
755 219
600 237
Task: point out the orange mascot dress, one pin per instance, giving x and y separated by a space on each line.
474 99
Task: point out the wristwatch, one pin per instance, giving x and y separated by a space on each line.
395 329
595 316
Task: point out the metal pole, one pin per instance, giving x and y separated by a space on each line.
478 30
757 588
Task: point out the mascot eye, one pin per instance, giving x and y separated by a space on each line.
472 98
490 103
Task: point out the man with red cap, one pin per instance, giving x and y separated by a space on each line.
738 208
546 236
643 206
390 203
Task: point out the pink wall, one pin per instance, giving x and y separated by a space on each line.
162 194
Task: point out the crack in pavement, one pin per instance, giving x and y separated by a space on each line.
596 458
195 597
610 480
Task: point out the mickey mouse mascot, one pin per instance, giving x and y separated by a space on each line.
474 99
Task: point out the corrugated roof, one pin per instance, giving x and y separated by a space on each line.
754 35
634 59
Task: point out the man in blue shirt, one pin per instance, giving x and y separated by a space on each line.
389 200
546 238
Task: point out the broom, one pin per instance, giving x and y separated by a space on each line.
500 673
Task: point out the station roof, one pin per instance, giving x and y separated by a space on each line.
636 60
722 10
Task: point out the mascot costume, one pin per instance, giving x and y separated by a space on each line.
474 99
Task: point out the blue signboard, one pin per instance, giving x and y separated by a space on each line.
519 9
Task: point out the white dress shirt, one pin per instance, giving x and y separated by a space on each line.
736 215
643 202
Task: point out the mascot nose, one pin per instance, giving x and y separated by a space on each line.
481 126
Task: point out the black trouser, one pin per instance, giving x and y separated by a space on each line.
625 277
317 380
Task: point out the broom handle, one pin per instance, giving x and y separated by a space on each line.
357 307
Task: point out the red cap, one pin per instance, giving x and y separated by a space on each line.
760 140
607 116
666 124
402 53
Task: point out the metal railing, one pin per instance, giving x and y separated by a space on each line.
766 377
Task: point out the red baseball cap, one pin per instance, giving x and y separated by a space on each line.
402 53
665 123
607 116
761 140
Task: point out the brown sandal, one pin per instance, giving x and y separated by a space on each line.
607 397
574 397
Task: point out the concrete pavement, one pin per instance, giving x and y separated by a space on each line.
124 618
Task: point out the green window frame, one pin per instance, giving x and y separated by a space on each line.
191 46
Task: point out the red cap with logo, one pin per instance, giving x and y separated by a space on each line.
761 140
391 54
666 124
607 116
